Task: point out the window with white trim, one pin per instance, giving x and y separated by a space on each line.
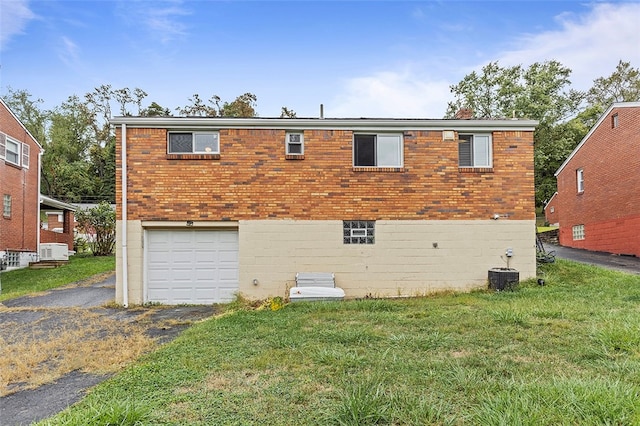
358 231
377 150
474 150
13 152
578 232
6 205
194 143
295 143
580 180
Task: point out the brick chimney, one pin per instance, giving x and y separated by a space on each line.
464 114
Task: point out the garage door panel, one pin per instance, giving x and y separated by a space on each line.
194 266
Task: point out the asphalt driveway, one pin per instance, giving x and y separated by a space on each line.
628 264
30 323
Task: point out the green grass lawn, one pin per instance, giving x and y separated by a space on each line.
567 353
26 281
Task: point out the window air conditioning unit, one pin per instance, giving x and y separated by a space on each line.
448 135
54 251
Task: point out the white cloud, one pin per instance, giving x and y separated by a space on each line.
392 94
13 19
68 51
590 45
160 18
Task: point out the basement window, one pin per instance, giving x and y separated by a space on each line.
194 143
358 231
578 232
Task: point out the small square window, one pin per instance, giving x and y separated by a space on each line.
6 206
578 232
358 231
194 143
295 144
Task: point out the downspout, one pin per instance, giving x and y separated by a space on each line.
39 192
125 257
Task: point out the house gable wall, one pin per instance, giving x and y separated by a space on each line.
19 232
609 207
252 179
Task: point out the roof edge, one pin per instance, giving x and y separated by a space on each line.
323 123
15 117
593 129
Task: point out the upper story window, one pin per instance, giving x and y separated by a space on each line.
12 152
377 150
474 150
295 143
194 143
614 121
580 180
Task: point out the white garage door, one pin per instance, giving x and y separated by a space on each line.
192 266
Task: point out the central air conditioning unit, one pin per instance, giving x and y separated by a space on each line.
54 251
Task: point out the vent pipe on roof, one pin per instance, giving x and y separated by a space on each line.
321 111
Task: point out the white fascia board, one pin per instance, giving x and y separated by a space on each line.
593 129
362 124
52 202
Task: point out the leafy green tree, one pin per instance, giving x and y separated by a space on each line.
623 85
28 111
243 106
99 226
287 113
155 110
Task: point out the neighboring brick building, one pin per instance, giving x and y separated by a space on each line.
58 224
598 198
394 207
19 189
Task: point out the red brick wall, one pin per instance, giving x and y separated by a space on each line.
19 232
252 179
67 225
610 204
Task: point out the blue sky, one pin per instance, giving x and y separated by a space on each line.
358 58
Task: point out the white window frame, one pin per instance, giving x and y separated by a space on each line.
383 141
580 180
17 151
578 232
481 155
194 143
289 144
6 205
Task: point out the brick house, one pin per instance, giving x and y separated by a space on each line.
211 207
58 222
598 200
20 189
